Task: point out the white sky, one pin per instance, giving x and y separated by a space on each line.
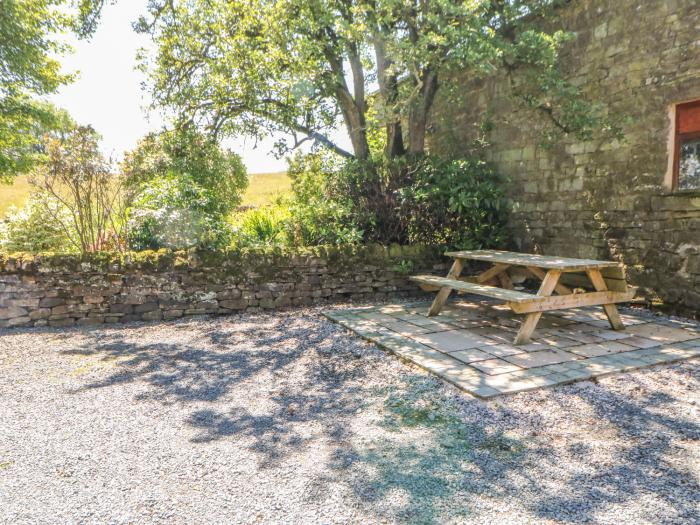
108 93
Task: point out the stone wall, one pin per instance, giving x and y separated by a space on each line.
69 290
602 199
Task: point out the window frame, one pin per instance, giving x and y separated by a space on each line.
678 137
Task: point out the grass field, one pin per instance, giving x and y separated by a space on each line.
263 189
15 193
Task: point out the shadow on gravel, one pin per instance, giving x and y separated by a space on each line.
645 435
205 368
332 384
428 459
221 362
432 460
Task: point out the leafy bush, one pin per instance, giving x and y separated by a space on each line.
33 228
265 226
457 203
79 192
187 153
175 212
186 185
320 214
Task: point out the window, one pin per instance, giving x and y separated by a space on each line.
686 169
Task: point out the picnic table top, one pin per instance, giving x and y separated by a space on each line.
527 259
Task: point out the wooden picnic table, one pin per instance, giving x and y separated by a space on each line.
606 277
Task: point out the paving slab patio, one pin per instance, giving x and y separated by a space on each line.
469 343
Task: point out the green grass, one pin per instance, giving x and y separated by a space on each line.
263 189
14 194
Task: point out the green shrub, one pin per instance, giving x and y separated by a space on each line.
175 212
319 213
33 228
80 193
458 203
186 185
185 152
265 226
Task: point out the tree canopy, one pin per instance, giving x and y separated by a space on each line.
30 44
299 66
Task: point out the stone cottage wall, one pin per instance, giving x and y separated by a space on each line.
66 290
602 199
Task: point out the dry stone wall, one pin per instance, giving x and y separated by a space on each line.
602 199
59 290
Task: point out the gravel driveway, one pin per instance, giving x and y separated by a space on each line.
287 418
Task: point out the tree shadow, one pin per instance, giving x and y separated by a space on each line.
430 459
204 368
212 365
427 454
638 467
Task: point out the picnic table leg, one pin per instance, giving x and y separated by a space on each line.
444 292
610 309
496 271
505 280
539 273
546 288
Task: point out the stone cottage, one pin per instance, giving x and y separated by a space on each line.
636 200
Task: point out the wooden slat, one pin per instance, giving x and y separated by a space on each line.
562 302
504 280
444 292
479 289
546 288
496 269
527 328
610 309
614 279
563 264
559 288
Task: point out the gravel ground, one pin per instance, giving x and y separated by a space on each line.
287 418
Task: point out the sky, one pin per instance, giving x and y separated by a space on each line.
108 93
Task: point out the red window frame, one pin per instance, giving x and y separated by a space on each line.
680 136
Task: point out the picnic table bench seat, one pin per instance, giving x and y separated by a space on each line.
512 296
606 278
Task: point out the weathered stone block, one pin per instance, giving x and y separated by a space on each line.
153 315
229 294
239 304
41 313
18 321
146 307
207 305
69 321
172 314
12 312
119 308
88 321
63 309
49 302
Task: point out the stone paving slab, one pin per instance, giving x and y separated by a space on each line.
470 343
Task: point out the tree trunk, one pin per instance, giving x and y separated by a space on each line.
418 114
356 125
354 112
389 90
394 141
